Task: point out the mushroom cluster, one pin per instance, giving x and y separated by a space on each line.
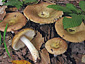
39 13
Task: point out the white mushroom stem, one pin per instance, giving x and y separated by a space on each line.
31 48
55 55
12 32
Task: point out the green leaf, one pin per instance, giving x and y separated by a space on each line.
0 38
58 7
5 42
0 21
75 21
82 5
83 17
73 8
16 3
29 1
3 0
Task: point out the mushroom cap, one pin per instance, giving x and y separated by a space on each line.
77 37
17 43
56 51
32 12
15 21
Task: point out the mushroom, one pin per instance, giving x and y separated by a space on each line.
56 46
39 13
75 34
23 38
15 21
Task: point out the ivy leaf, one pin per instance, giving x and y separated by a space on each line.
16 3
29 1
82 5
58 7
0 38
5 42
76 20
73 8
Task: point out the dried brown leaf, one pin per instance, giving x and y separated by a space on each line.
45 59
83 59
78 58
2 12
12 9
38 41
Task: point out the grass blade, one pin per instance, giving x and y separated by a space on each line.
0 38
5 42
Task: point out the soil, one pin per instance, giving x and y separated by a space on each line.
73 55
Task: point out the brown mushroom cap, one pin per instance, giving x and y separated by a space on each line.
17 43
60 44
15 21
77 37
39 13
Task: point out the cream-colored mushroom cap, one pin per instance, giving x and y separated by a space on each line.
15 21
17 43
56 46
39 13
78 36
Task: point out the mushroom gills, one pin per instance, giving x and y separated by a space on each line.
31 48
30 34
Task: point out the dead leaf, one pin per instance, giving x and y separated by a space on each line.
77 58
38 41
45 59
12 9
2 12
83 59
20 62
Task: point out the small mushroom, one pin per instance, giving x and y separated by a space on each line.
56 46
15 21
75 34
23 38
39 13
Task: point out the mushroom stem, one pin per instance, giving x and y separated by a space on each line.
12 32
31 48
55 55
